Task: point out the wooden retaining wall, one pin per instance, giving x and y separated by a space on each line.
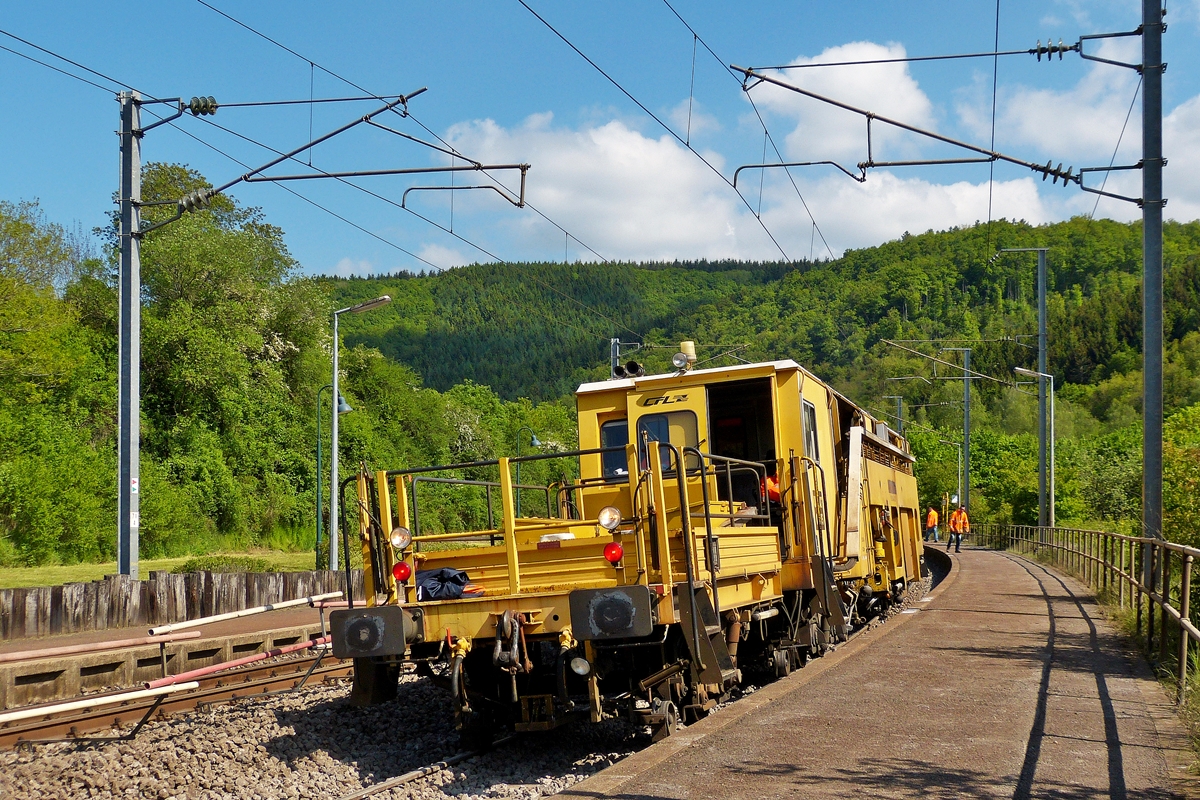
121 602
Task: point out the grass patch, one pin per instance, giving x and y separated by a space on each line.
226 563
12 577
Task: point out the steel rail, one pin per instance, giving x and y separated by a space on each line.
417 774
255 681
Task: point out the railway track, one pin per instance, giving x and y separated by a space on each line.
249 681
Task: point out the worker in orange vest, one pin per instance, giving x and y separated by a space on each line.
931 525
959 526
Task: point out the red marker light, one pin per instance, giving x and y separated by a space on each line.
401 571
613 553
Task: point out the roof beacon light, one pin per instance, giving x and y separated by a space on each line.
609 518
686 356
613 552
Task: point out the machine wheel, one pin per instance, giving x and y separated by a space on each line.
781 660
670 723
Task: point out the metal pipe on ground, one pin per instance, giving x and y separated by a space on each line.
94 647
237 662
92 702
245 612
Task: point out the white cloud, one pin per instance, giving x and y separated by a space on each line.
689 116
1080 123
822 131
443 257
1181 147
1080 126
850 214
616 189
632 196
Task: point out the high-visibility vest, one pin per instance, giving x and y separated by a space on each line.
932 520
770 488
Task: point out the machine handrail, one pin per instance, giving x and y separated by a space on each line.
689 545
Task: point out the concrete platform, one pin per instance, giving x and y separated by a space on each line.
1008 682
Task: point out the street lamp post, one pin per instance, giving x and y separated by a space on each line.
533 442
1046 511
333 448
1042 368
342 408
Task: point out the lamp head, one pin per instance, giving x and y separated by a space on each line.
534 441
368 305
343 407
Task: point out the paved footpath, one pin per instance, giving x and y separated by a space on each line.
1007 682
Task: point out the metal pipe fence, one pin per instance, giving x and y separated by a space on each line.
1139 573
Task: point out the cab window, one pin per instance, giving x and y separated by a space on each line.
615 433
810 431
677 427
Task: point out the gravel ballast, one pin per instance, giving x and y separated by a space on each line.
313 744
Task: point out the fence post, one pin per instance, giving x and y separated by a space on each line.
1150 592
1108 560
1104 561
1185 592
1166 598
1136 557
1088 564
1120 578
1095 560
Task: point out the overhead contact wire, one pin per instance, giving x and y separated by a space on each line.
349 82
664 125
67 60
1113 160
725 66
292 191
56 69
425 219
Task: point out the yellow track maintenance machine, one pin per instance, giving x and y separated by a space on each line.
726 521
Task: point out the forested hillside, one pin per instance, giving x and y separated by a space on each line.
236 345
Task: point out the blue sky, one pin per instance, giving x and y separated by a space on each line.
503 88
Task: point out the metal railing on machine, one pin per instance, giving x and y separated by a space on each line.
1135 571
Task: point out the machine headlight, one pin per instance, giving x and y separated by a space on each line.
400 538
609 518
581 667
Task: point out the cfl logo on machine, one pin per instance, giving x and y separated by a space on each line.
664 400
